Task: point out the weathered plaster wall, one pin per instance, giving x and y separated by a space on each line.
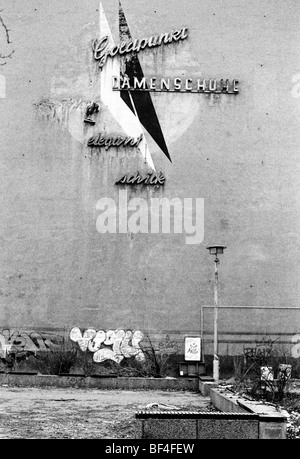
239 153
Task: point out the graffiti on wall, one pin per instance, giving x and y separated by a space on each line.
22 344
60 110
168 346
264 348
109 345
261 350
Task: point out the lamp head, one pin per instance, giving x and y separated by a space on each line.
216 249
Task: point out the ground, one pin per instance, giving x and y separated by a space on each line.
48 413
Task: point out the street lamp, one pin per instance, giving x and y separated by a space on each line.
216 250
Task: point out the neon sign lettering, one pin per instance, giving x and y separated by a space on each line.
107 142
101 51
192 85
151 178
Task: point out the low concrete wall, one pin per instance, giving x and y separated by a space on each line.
98 382
205 384
228 403
272 423
196 425
239 418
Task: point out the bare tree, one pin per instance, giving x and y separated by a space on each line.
6 30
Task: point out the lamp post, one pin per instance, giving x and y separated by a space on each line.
216 250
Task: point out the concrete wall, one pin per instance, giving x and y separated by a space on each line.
198 425
239 153
102 383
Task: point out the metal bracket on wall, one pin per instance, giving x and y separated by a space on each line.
90 110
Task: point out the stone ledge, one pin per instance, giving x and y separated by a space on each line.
196 425
205 384
106 382
272 423
193 415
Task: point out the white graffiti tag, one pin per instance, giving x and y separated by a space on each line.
110 345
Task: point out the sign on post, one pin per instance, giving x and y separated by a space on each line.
192 348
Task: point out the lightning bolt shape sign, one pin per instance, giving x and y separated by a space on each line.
126 118
133 111
140 103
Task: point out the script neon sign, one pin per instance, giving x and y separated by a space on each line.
102 52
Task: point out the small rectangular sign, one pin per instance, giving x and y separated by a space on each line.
192 348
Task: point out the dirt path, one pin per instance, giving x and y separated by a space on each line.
81 413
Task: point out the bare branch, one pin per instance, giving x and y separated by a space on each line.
7 56
3 57
6 29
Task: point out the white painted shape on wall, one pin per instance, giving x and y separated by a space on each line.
296 348
112 99
2 86
177 112
75 124
133 350
106 354
82 340
296 88
95 344
110 338
120 334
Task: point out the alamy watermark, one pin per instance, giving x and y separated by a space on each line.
153 215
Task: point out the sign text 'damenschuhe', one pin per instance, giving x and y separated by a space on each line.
222 86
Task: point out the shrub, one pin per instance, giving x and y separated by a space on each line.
250 379
55 362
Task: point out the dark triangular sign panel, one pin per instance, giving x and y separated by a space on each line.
143 105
